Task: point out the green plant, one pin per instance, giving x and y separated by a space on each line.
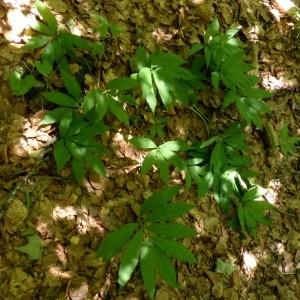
161 156
287 143
226 268
105 27
57 44
163 74
225 60
251 210
152 241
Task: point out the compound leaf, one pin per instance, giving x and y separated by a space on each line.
115 240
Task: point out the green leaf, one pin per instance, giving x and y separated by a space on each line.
78 168
163 167
36 42
148 162
143 143
41 27
172 230
20 86
114 241
175 146
253 194
96 163
122 84
163 90
148 269
60 99
33 248
65 122
260 205
169 72
44 67
165 267
168 212
195 48
115 29
212 30
225 268
71 84
210 141
215 78
118 111
95 103
145 79
141 58
54 116
159 59
250 219
69 40
230 98
47 15
173 249
158 199
130 258
61 154
217 154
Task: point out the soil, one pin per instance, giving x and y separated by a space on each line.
69 219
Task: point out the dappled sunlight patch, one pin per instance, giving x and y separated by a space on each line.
249 264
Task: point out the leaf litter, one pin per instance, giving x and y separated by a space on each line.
70 219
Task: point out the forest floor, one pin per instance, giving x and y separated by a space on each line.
71 219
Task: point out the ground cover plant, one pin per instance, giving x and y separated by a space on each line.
218 164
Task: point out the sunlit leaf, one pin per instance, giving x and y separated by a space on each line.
46 14
130 258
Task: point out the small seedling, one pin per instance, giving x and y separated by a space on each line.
225 268
251 210
288 143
